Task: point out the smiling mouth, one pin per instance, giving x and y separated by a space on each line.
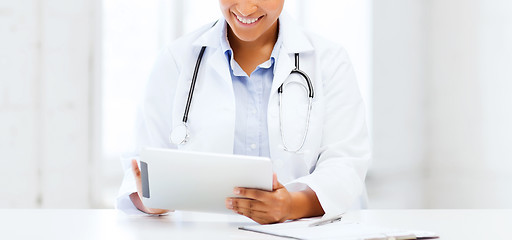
246 20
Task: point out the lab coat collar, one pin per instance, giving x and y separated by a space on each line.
211 38
294 39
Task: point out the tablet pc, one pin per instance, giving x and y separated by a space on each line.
196 181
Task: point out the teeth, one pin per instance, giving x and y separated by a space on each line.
246 20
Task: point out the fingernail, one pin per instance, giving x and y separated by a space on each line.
236 191
229 204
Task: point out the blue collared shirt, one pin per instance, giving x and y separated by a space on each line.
251 95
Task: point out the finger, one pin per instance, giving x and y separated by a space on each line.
259 217
159 211
250 213
252 193
261 220
136 174
135 168
275 183
236 203
254 218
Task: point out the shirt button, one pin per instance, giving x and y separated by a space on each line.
253 146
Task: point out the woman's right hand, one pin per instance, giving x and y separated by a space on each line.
136 196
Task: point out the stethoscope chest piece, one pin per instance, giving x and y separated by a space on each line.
179 134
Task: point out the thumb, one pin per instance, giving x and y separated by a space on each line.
276 184
136 174
135 168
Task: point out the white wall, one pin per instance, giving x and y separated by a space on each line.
470 105
19 103
442 104
396 177
349 23
46 72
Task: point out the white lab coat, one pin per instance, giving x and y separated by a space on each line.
335 156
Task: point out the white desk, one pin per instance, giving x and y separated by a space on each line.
111 224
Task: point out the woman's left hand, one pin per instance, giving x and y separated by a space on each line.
262 206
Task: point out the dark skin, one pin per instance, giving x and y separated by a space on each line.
276 206
251 54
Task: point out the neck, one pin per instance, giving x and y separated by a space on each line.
265 41
249 54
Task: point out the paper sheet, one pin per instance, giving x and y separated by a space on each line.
338 230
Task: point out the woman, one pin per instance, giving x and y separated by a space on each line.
320 155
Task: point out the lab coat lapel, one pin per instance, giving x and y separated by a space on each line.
294 41
214 57
225 99
218 62
284 67
217 79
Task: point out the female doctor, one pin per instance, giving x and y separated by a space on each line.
254 83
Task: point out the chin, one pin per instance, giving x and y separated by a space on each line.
247 37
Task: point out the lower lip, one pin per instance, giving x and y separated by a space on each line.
247 24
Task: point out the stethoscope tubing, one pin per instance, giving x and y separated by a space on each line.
296 70
193 85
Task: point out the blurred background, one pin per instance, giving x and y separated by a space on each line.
436 76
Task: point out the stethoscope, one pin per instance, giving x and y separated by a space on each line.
180 134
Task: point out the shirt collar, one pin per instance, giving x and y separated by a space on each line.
228 52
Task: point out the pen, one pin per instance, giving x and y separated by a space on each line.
321 222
